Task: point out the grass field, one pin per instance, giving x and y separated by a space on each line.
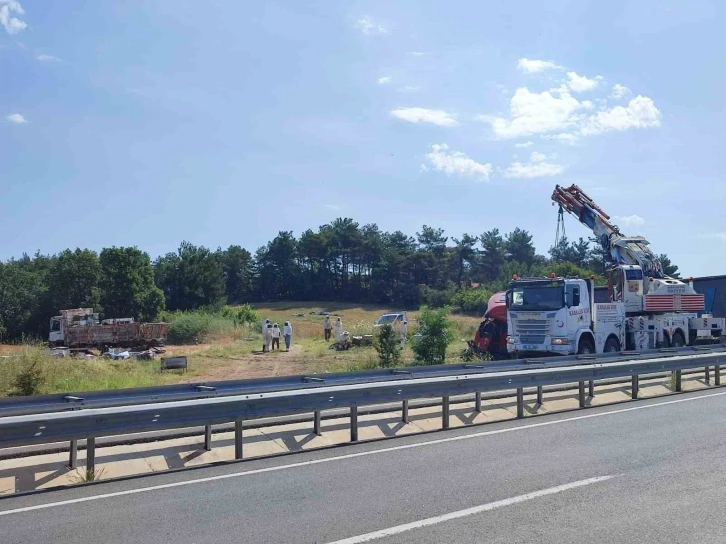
227 352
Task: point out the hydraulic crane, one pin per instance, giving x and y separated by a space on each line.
631 260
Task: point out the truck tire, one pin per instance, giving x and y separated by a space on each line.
678 341
585 346
612 345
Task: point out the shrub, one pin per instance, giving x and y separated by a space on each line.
435 298
387 346
472 301
195 327
242 315
436 334
30 379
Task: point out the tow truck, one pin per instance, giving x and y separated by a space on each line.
647 308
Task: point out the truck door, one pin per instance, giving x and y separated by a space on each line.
578 308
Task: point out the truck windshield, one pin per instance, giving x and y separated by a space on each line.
536 297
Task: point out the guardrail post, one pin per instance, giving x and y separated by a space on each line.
316 422
717 375
634 386
90 456
208 438
591 388
238 438
73 457
445 412
581 394
477 402
539 394
404 412
354 423
679 381
520 402
708 375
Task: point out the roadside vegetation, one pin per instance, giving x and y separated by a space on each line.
226 344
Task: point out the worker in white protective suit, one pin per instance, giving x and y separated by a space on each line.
404 329
338 330
264 330
288 335
327 328
267 336
276 333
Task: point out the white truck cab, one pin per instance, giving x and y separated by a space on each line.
558 316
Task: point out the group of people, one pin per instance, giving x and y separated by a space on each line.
328 329
271 333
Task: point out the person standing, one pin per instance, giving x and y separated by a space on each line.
327 328
264 332
404 329
275 336
268 338
288 335
338 330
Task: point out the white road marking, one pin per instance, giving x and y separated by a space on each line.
468 512
352 455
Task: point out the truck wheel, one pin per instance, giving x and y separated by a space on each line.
612 345
585 347
678 341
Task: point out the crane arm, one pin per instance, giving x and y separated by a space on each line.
622 249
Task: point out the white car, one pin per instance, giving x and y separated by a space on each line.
390 319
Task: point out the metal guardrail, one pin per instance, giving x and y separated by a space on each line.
98 422
169 393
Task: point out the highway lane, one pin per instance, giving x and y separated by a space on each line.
666 459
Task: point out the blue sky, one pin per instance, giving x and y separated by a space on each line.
222 122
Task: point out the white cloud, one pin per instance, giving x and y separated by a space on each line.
564 138
423 115
581 83
16 118
409 89
630 220
715 235
524 144
417 53
537 168
639 113
383 80
537 113
332 207
12 25
47 58
368 26
530 66
456 162
619 91
536 156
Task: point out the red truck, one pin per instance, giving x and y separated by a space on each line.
81 329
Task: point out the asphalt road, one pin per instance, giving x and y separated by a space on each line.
647 471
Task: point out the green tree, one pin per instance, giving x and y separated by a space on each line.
465 253
387 346
518 246
127 284
493 254
191 278
668 267
22 291
237 269
436 334
74 280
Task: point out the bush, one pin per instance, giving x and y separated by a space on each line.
436 334
472 301
436 298
195 327
387 346
30 379
242 315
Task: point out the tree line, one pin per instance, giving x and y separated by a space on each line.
342 261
